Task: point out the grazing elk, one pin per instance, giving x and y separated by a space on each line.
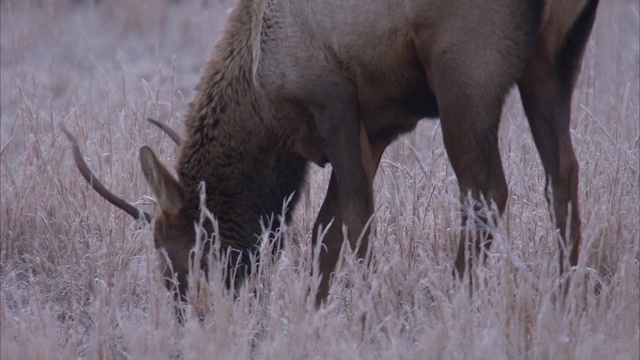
293 82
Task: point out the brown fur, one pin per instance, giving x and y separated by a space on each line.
559 17
336 81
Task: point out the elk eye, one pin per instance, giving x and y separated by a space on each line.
159 234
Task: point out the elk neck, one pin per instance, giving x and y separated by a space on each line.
236 142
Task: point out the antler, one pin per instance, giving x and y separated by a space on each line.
97 185
169 131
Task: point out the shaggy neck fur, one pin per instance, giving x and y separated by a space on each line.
236 143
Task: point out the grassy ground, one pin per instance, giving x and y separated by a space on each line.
78 276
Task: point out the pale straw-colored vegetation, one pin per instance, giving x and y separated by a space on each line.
79 277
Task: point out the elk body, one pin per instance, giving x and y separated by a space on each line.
294 82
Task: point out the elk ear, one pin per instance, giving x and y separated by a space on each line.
164 186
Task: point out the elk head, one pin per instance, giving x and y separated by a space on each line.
174 230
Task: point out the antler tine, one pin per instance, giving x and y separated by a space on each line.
169 131
97 185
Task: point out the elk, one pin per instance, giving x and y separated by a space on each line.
298 82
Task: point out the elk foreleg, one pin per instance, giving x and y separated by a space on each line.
330 216
331 210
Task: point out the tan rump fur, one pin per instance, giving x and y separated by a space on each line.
559 16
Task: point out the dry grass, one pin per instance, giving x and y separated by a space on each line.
78 276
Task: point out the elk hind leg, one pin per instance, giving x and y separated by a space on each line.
548 114
470 134
546 87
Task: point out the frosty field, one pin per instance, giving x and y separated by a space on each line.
79 277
